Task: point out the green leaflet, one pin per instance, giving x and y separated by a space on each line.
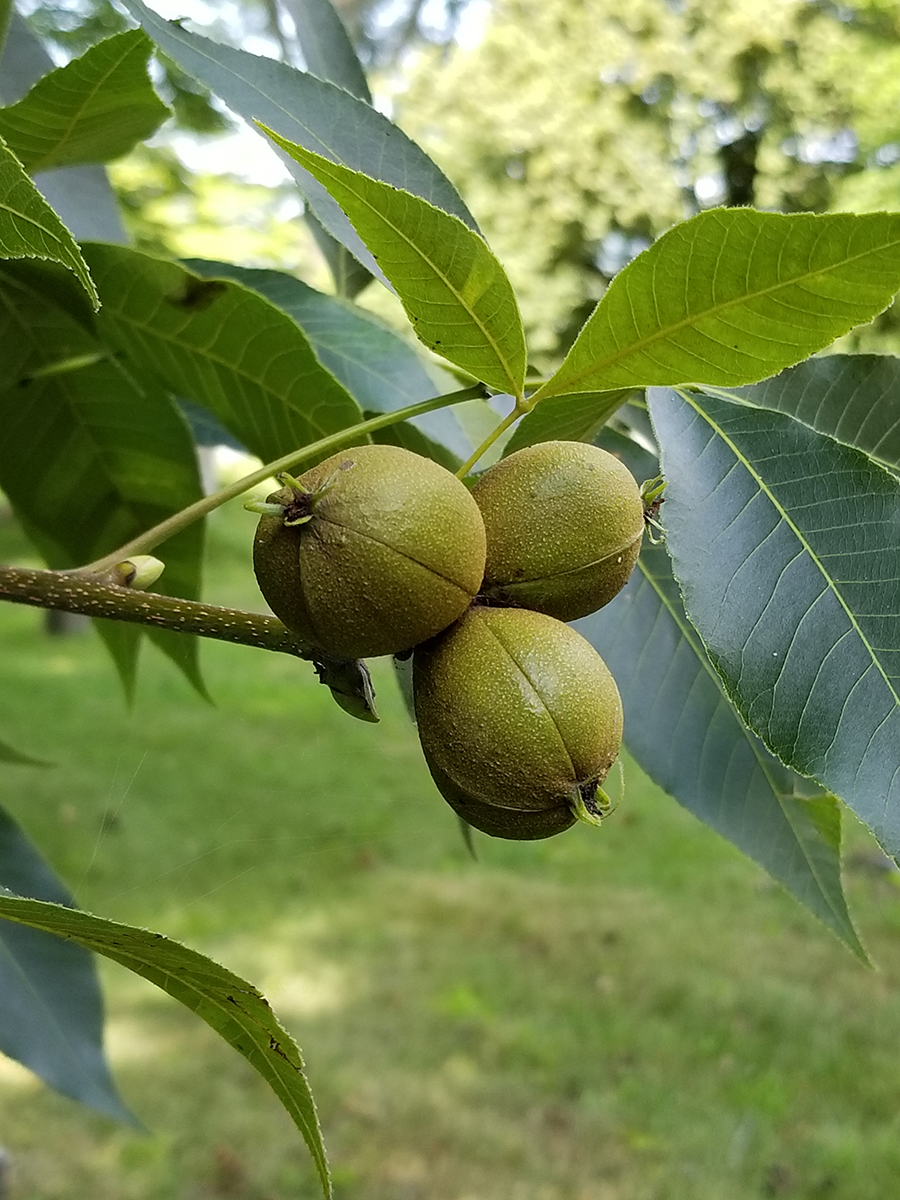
221 345
90 457
29 228
227 1003
854 398
684 732
786 547
453 289
94 109
733 296
313 112
326 46
380 369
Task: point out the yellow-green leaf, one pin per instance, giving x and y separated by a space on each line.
29 228
733 296
453 289
94 109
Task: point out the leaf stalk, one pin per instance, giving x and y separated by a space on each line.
490 439
152 538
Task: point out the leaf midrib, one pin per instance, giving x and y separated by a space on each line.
17 213
688 632
515 388
890 465
767 491
670 331
76 116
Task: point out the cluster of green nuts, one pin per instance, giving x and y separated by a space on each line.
380 551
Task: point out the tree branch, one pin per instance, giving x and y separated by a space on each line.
348 679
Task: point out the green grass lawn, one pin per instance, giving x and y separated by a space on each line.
632 1013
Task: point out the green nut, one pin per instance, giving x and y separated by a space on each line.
519 719
514 824
370 552
564 522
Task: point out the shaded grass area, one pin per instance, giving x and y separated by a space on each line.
634 1013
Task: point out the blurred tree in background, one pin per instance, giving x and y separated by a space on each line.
579 130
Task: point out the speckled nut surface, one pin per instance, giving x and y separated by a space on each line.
518 712
392 552
564 522
514 824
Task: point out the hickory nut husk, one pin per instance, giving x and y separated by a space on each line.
519 719
371 552
564 522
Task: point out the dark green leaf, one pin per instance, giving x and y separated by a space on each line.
854 398
379 369
327 49
29 228
92 110
230 1005
453 289
683 731
575 418
223 346
786 545
90 456
51 1008
733 296
313 113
